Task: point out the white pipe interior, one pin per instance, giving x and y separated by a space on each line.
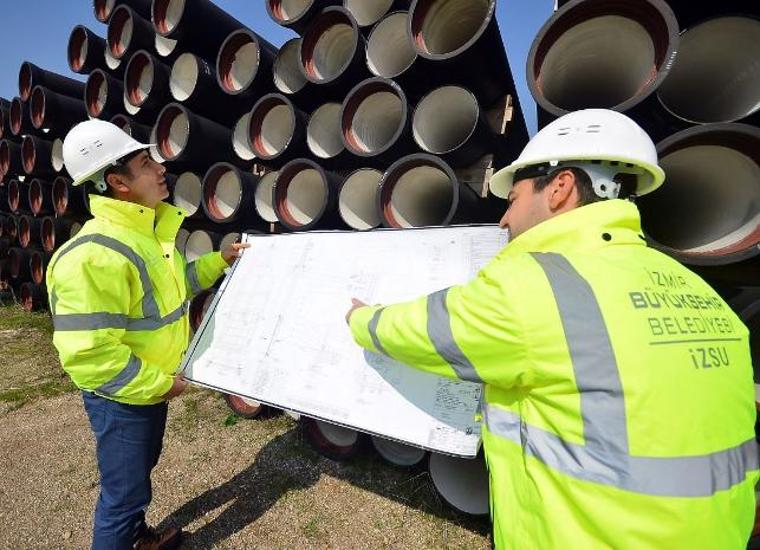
198 243
56 154
389 49
367 12
154 150
184 77
397 453
188 192
306 196
102 96
288 77
450 24
181 239
244 65
276 131
240 138
227 193
145 84
710 200
421 197
228 239
179 133
263 197
109 6
332 51
293 9
125 36
174 11
357 200
111 62
444 119
83 47
165 46
128 107
601 62
462 483
716 75
337 435
376 121
323 133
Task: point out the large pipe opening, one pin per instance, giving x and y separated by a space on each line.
222 193
367 12
181 239
173 132
716 76
25 228
184 77
28 154
302 194
445 119
398 453
48 234
96 93
10 229
139 79
273 122
441 27
229 239
198 243
710 203
38 107
389 50
104 9
120 30
357 202
5 157
462 483
240 138
25 81
188 192
14 195
17 112
373 118
36 196
263 199
60 195
328 46
288 77
165 46
56 155
37 265
111 62
288 10
78 47
167 14
418 193
323 133
238 62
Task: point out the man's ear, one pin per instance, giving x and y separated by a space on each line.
562 190
117 182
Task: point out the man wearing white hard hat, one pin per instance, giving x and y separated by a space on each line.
618 407
118 294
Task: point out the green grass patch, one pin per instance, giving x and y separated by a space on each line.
15 318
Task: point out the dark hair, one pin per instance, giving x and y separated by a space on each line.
583 183
119 167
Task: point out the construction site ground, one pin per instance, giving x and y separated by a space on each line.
229 482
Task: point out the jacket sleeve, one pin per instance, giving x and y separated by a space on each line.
202 273
91 298
465 332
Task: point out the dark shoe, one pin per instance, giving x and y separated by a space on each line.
168 539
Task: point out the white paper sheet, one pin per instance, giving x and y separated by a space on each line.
276 332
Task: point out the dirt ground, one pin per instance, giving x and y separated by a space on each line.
231 483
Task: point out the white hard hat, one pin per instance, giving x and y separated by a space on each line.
601 141
92 146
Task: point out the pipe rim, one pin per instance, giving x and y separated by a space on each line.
103 9
285 179
198 243
60 195
356 101
242 42
121 27
17 111
418 14
122 121
329 115
28 154
24 231
399 169
36 196
240 138
280 13
381 39
56 154
167 15
38 104
425 103
96 93
650 14
263 198
139 78
184 77
381 8
213 205
78 48
37 267
286 73
111 62
329 17
165 47
25 81
262 111
365 177
188 192
167 125
47 234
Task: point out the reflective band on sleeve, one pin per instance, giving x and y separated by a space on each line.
96 321
124 377
372 328
191 273
440 334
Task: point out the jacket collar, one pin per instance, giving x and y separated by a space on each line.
587 228
162 222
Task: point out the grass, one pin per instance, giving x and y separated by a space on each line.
16 318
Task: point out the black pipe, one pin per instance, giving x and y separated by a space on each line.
422 190
69 199
128 33
368 12
391 54
55 112
28 231
55 231
333 53
38 265
228 195
37 156
193 82
10 229
244 65
140 132
30 76
5 123
305 196
19 263
376 120
41 197
690 13
277 131
86 51
297 15
33 297
11 163
104 8
18 196
146 85
20 121
103 95
187 138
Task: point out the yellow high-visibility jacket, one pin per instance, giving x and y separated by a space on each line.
118 294
619 403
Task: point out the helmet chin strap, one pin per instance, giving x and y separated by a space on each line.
99 181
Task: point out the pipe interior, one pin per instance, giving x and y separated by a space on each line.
389 50
96 94
376 121
228 239
24 232
103 9
323 133
447 25
173 133
198 243
38 107
710 200
120 29
154 150
275 131
306 196
25 81
60 195
181 239
357 199
48 234
227 193
35 196
422 196
287 10
139 80
36 267
28 154
165 46
56 154
174 11
599 63
16 113
5 157
188 192
14 195
445 119
263 199
332 51
78 47
337 435
462 483
184 77
111 62
288 77
367 12
240 138
239 63
716 74
398 453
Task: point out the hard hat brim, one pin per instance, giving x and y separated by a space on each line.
107 162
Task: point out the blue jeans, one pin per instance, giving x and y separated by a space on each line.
129 439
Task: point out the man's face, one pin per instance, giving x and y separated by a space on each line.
525 209
146 182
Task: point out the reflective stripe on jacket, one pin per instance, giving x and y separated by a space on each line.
118 294
619 402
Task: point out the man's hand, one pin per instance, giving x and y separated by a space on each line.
355 304
232 252
177 388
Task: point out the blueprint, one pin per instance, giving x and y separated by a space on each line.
276 331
